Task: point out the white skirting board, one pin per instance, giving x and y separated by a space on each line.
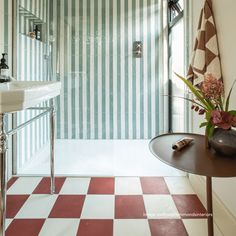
224 220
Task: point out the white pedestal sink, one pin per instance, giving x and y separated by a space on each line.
16 96
19 95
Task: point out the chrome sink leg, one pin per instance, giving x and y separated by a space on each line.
3 168
52 136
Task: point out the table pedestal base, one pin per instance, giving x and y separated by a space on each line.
209 206
204 162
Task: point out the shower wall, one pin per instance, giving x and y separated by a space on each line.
6 29
31 66
106 92
6 46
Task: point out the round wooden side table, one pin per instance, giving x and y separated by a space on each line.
194 159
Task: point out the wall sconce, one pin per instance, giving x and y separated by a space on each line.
137 49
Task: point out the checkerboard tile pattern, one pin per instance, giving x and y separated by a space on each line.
121 206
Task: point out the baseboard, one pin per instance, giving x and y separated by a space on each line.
223 219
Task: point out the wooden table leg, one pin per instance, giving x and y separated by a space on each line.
209 206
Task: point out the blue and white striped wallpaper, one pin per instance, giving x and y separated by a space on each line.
6 46
6 29
106 92
31 67
37 7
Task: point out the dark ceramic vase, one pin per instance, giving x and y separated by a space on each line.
224 142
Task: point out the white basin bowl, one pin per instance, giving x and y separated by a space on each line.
20 95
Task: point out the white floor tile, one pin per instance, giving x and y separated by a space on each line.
24 185
98 207
160 207
179 185
131 228
127 185
75 186
37 206
60 227
8 222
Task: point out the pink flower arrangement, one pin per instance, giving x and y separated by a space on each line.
212 88
211 102
222 119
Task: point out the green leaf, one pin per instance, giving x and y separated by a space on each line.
233 112
210 104
221 104
229 95
210 130
195 92
203 124
208 116
190 100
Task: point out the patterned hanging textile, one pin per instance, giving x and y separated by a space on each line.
206 57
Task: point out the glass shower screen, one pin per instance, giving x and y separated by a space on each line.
107 92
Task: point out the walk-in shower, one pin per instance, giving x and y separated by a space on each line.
107 92
112 101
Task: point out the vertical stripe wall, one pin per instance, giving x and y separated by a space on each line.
6 29
31 67
6 46
106 92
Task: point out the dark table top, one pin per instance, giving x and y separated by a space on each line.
195 158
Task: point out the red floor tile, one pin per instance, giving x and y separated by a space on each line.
67 206
101 186
168 227
189 206
154 185
25 227
14 204
44 185
95 228
129 207
11 182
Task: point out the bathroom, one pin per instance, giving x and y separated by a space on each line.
115 62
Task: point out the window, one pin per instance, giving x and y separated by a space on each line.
175 9
177 106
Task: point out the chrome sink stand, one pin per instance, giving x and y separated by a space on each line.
3 156
3 169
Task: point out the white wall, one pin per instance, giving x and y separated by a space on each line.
225 18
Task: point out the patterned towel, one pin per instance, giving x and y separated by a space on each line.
206 52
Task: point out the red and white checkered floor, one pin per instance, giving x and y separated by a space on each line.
121 206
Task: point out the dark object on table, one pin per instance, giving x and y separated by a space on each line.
224 142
